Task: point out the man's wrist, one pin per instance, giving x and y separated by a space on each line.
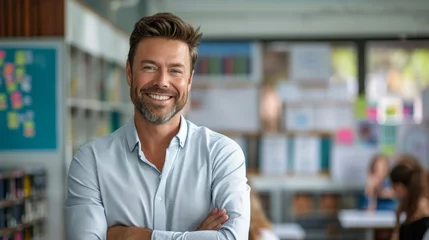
136 233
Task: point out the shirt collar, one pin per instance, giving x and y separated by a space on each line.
133 139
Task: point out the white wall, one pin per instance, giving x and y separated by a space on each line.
300 18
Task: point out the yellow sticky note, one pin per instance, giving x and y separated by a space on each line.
1 62
12 120
3 102
11 87
360 108
20 57
19 73
29 128
388 149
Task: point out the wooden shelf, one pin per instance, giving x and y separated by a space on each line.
19 227
101 106
12 202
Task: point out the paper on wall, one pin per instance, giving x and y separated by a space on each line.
273 157
307 155
349 163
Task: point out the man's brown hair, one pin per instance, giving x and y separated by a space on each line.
165 25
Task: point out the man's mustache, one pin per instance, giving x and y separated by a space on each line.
155 89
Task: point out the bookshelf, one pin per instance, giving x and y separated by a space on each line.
23 204
97 101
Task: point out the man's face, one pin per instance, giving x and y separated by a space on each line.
160 78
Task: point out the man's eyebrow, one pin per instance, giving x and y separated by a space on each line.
147 61
176 65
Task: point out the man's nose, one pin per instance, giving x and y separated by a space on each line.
162 79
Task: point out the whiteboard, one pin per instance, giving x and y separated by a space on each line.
233 109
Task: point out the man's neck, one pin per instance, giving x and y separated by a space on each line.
155 138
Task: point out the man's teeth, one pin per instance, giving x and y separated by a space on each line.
159 97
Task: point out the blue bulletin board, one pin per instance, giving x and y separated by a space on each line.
28 101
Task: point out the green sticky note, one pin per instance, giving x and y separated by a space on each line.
360 107
388 149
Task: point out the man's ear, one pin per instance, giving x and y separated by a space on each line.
190 80
129 73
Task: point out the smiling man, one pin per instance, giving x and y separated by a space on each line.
160 176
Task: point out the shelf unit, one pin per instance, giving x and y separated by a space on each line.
23 204
97 99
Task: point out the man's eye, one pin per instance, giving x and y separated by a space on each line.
176 71
149 68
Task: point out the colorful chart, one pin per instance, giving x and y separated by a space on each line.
28 98
224 59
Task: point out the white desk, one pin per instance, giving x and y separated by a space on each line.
277 185
289 231
369 221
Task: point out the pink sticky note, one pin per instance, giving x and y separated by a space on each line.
344 136
2 54
371 113
16 99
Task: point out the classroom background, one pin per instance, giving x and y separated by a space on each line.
311 90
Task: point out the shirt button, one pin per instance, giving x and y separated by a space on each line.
159 198
160 176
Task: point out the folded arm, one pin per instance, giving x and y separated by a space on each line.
230 192
84 211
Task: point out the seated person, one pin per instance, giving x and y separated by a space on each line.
378 193
409 181
260 226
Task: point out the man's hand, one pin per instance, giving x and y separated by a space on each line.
214 220
128 233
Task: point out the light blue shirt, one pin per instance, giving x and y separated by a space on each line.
110 182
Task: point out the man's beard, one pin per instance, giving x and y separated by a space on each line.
144 106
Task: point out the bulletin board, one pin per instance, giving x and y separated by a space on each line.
28 97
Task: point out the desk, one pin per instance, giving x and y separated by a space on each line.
276 186
369 221
289 231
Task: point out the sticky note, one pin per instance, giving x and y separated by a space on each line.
360 107
16 100
3 102
19 74
8 69
29 129
11 87
20 57
2 57
388 149
344 136
371 114
26 84
12 120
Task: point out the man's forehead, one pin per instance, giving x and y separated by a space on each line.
174 50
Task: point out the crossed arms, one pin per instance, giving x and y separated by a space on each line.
85 216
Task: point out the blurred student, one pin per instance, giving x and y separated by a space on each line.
409 181
260 226
378 191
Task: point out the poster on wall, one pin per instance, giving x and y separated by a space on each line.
28 98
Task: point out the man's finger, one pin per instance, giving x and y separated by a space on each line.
220 220
209 220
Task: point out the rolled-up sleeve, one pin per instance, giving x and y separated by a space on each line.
84 211
230 191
